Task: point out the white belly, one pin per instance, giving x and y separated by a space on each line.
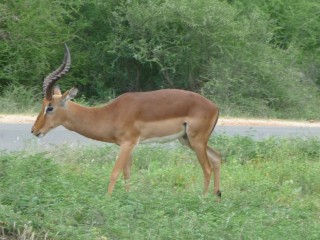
163 139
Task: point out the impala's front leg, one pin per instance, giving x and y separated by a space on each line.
122 160
127 173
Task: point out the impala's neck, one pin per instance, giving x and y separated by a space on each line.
85 121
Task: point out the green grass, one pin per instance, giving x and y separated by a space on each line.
270 190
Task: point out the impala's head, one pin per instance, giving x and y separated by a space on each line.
54 104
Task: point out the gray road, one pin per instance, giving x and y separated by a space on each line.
14 137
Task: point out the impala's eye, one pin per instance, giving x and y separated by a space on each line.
49 109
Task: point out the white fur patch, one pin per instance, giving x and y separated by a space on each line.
164 139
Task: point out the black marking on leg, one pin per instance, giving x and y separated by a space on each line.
185 136
219 194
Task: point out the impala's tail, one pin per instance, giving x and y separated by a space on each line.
216 121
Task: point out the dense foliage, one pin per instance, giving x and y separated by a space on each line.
253 57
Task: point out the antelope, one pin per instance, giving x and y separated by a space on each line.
133 118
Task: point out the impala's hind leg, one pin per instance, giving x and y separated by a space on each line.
215 160
201 151
209 160
205 164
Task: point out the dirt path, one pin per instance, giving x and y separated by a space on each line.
265 122
4 118
222 121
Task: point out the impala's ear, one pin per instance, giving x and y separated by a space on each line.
68 95
56 90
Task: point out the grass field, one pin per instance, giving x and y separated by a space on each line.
271 190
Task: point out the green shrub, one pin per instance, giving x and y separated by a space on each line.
19 99
251 57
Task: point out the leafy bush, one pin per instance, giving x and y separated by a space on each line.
252 57
296 28
19 99
28 30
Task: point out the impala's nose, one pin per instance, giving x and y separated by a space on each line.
34 132
39 134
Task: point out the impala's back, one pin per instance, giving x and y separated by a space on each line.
164 115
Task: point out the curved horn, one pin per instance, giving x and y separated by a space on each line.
52 78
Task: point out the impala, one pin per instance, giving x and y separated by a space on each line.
133 118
